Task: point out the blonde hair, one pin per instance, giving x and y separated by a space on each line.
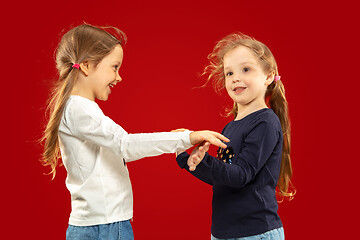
275 93
82 43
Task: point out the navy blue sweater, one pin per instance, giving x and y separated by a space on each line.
244 176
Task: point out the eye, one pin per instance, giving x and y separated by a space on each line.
116 69
228 74
246 69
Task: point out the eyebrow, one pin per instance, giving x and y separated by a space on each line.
242 63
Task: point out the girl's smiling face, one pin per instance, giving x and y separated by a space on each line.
245 80
105 75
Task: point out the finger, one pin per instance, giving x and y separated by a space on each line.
215 141
180 130
191 161
203 150
192 166
196 160
206 146
221 137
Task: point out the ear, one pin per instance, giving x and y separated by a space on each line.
270 78
85 67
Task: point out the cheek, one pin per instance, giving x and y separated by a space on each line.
227 84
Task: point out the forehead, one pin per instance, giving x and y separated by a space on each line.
238 55
116 54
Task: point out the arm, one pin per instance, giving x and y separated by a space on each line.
92 125
168 142
257 148
182 160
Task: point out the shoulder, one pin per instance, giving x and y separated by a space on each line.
226 126
265 117
81 108
79 104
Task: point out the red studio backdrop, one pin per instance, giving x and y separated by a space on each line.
168 42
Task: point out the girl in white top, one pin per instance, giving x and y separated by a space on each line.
94 149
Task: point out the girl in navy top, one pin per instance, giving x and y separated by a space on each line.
245 175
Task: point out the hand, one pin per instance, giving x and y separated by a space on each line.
180 130
197 155
214 138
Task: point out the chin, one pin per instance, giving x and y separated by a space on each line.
105 98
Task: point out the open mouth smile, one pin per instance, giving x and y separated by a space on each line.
239 89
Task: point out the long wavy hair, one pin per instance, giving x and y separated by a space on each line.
275 95
82 43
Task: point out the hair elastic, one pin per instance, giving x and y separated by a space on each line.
76 65
277 78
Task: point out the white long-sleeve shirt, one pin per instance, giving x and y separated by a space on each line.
94 150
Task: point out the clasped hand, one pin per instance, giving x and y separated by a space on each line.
203 139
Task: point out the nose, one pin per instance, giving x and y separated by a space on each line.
118 78
236 78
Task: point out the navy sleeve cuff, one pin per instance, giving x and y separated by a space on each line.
182 159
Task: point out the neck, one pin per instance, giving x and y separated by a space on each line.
244 110
80 90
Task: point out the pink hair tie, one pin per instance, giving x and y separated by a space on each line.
76 66
277 78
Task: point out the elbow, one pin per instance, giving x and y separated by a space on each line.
124 150
239 178
236 182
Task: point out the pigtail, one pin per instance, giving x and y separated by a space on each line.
59 96
279 105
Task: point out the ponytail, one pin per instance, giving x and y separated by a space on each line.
59 96
278 103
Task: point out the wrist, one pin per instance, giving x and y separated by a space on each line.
190 132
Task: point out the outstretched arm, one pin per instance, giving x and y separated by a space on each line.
200 137
262 142
90 124
182 162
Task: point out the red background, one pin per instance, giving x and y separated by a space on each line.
317 52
